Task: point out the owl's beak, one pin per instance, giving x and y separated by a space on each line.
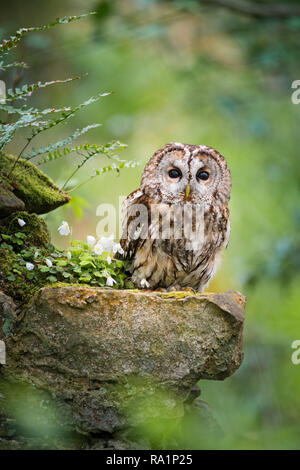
187 191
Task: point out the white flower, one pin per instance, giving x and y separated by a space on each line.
21 222
64 229
110 281
91 240
98 249
69 255
117 248
49 263
144 283
108 259
36 254
29 266
107 242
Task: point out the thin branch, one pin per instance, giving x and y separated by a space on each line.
86 158
258 10
81 184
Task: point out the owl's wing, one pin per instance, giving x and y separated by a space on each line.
219 226
224 227
135 225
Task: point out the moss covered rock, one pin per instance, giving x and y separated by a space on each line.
116 358
7 316
36 230
19 287
37 191
15 280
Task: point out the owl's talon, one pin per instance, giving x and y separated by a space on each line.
188 289
172 289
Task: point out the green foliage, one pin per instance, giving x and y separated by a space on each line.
33 229
88 151
27 263
33 119
13 41
50 150
27 90
82 265
13 64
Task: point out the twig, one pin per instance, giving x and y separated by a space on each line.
81 184
86 158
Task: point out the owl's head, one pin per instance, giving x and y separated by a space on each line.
179 173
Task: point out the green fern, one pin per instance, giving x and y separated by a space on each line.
38 121
27 90
4 66
13 41
61 143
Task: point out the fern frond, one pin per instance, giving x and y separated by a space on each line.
32 119
106 169
13 41
101 149
4 66
7 131
27 90
66 113
108 149
61 143
92 150
21 111
114 166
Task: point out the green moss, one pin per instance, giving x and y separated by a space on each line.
68 284
20 288
15 280
32 186
36 230
175 295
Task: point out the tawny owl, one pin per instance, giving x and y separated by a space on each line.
177 222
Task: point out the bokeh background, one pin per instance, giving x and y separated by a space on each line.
193 72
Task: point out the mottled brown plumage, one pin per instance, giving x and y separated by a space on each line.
171 256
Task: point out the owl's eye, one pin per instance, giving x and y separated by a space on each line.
202 175
175 173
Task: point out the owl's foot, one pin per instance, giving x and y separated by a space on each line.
181 289
189 289
173 289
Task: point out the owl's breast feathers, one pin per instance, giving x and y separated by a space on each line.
171 261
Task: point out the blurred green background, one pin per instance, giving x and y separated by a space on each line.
195 73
